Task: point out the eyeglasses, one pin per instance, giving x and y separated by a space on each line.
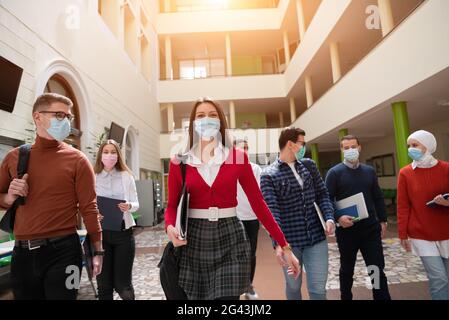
60 115
302 143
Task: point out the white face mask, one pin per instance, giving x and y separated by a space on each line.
59 130
351 155
207 128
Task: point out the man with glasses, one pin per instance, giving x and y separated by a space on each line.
290 187
60 182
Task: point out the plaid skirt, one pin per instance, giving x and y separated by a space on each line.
216 261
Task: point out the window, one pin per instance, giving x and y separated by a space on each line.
145 57
204 68
384 165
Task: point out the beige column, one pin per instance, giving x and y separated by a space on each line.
281 119
232 114
301 19
309 91
335 61
228 55
168 59
286 48
386 16
167 6
170 117
292 109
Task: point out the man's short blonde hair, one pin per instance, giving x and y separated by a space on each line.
47 99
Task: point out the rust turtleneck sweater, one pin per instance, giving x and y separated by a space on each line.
61 181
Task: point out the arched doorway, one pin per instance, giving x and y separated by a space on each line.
57 84
61 77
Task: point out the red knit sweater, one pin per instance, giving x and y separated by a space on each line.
415 189
222 194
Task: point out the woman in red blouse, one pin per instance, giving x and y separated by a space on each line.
215 262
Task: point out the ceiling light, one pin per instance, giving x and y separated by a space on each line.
443 103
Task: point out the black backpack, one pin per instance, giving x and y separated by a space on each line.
169 264
7 222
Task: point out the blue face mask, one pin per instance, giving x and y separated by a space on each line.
301 153
351 155
415 153
207 128
59 130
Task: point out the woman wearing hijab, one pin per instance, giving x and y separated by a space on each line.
423 229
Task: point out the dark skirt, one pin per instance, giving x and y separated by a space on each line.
216 261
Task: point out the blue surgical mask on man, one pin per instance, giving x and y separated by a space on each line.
207 128
301 153
351 155
415 153
59 130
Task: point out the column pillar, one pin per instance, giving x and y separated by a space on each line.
281 120
386 16
301 19
232 114
401 132
292 109
335 61
170 117
168 59
228 55
309 91
167 6
315 154
341 134
286 48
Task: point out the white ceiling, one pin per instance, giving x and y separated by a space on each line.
425 107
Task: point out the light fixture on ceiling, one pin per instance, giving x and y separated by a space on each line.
443 103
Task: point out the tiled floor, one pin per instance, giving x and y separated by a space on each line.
404 271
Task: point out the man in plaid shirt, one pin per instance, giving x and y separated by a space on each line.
290 187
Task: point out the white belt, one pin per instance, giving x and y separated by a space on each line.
213 213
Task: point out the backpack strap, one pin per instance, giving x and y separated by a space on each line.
24 157
22 165
182 162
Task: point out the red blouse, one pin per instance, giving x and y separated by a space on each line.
222 193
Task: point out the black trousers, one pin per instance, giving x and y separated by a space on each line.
51 272
367 239
120 248
252 230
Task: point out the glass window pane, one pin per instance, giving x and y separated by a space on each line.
217 67
186 69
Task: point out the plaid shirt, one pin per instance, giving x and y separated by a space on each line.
292 206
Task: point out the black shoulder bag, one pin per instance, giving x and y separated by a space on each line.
7 222
169 264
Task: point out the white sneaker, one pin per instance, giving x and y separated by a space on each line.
251 294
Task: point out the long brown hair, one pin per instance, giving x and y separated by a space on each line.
120 165
193 136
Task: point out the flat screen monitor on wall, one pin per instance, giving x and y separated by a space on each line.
116 133
10 76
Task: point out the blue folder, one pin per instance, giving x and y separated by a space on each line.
348 211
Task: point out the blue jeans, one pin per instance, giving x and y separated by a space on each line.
315 262
437 269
